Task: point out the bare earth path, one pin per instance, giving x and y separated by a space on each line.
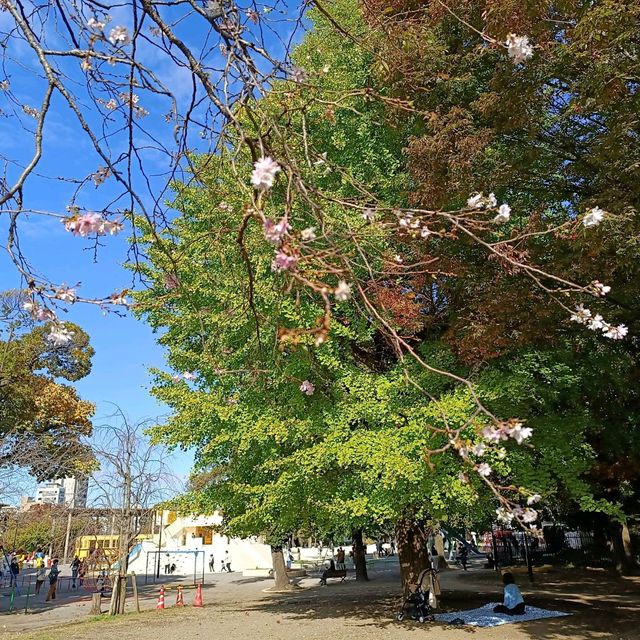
236 608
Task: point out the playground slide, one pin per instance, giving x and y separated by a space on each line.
133 556
455 535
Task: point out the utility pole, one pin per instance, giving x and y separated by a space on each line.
65 555
159 544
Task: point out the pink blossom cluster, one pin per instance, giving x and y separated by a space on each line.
505 430
275 232
307 388
284 262
264 173
523 513
91 223
596 322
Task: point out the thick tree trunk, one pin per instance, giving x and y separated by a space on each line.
359 557
624 561
413 552
279 569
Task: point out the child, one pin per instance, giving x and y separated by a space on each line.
513 604
41 573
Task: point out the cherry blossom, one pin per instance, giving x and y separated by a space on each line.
484 470
369 214
101 174
45 315
504 213
520 433
308 234
526 515
274 232
615 333
495 434
593 217
535 498
85 65
405 220
308 388
595 323
254 16
504 515
478 449
342 292
89 223
480 201
111 105
600 289
59 336
65 294
581 315
92 23
518 48
28 306
119 35
424 232
283 262
264 173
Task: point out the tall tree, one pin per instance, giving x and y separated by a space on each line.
43 422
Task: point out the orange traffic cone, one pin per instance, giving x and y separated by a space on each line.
198 602
160 604
180 597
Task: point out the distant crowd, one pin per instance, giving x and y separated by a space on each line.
12 563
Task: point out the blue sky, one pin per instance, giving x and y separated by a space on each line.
125 348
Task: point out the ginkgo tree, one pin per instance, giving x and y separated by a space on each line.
301 423
334 225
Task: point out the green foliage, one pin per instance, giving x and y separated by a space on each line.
42 420
354 454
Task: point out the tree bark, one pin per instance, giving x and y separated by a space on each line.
624 561
359 557
279 569
96 602
413 552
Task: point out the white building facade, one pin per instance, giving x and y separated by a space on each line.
69 491
190 543
50 493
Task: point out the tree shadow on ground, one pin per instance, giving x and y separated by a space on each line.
601 607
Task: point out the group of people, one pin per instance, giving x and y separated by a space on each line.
47 570
225 563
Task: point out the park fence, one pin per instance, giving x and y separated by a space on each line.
555 545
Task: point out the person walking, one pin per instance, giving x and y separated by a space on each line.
82 571
41 574
211 563
463 555
54 572
75 568
14 570
227 560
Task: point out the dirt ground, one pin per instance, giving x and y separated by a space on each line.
236 608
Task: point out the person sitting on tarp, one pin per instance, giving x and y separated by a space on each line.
513 604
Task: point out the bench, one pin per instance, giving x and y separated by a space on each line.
339 572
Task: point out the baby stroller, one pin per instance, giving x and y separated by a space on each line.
416 605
